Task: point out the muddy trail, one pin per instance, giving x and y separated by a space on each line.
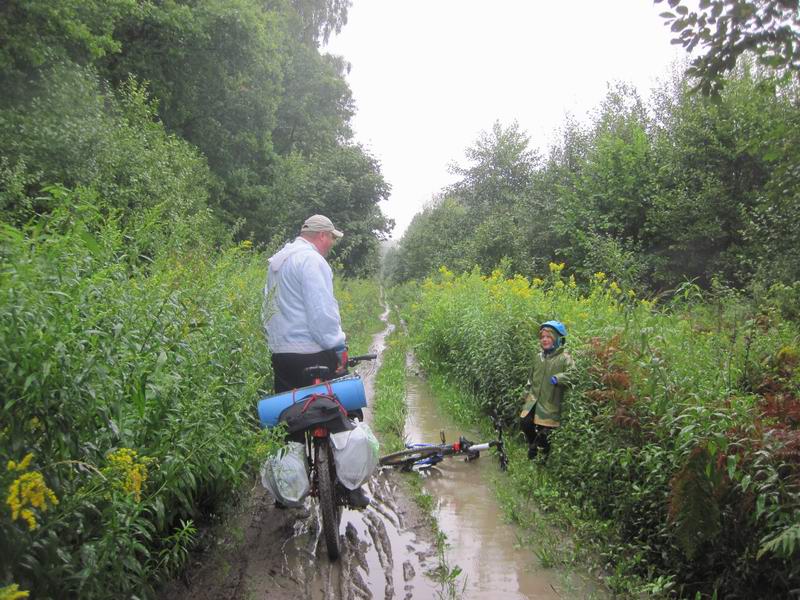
266 552
388 550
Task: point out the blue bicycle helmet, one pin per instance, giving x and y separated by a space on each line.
559 328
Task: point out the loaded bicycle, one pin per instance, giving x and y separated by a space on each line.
311 416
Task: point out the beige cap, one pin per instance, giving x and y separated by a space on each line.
320 223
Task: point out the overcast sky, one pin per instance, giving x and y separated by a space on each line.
428 76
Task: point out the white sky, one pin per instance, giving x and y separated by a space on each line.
428 76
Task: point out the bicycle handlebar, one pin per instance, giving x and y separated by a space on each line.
354 360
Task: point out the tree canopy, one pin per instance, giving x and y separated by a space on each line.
650 192
726 29
238 88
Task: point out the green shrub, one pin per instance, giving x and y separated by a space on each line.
680 446
131 391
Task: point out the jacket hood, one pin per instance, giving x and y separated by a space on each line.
298 245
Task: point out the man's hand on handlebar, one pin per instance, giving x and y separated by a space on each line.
344 361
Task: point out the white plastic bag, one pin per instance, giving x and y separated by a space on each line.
355 453
285 475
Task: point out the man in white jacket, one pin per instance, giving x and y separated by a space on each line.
302 319
301 316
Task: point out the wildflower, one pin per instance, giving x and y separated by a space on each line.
246 245
631 294
446 273
27 492
12 592
599 277
128 471
556 267
22 465
572 283
614 287
537 282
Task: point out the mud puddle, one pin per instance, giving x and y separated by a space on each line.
486 549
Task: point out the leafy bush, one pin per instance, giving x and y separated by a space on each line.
680 446
128 403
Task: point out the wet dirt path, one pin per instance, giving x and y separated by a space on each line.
265 552
480 542
387 550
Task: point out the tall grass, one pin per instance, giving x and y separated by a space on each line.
389 406
679 452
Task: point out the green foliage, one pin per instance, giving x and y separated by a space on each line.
677 461
112 152
138 139
726 29
433 238
693 506
500 170
163 109
320 18
389 403
39 33
651 193
100 359
360 308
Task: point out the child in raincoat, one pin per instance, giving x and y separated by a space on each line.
552 372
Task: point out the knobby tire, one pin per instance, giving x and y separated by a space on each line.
326 481
406 458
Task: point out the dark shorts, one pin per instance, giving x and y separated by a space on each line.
288 368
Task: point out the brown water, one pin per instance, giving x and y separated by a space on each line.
480 542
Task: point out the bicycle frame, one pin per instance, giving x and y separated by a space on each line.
423 456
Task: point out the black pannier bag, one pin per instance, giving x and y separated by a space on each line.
316 410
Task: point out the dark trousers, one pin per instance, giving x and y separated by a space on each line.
537 436
288 368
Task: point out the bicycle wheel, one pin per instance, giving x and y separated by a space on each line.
331 512
406 458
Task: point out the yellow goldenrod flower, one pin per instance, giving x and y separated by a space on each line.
572 283
12 592
128 471
599 277
22 465
29 490
537 282
556 267
246 244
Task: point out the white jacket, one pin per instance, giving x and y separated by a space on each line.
300 314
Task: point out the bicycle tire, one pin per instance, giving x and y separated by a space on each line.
331 512
407 457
